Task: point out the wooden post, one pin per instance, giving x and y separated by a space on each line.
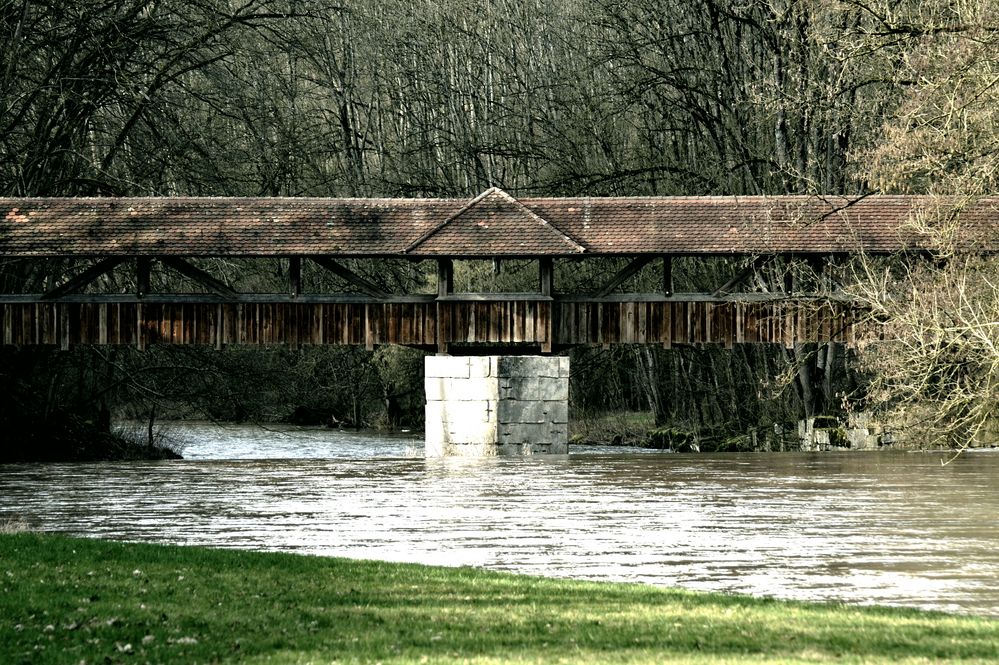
667 336
788 275
369 338
39 313
546 275
8 325
219 327
63 311
295 275
142 267
445 277
102 323
740 323
140 343
667 275
442 326
546 312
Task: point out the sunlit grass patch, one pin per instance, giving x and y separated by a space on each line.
70 600
13 525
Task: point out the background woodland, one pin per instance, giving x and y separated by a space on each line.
393 98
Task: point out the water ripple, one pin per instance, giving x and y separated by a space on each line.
894 529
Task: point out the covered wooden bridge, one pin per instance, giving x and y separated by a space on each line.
112 245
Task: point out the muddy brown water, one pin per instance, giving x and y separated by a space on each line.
886 528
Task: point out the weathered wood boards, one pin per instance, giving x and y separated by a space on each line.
541 323
704 322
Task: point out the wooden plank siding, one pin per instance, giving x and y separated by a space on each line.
548 324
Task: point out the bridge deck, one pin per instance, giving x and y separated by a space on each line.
104 239
524 321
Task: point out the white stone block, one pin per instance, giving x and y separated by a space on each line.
434 424
483 436
446 366
461 422
433 447
469 450
482 366
461 390
469 411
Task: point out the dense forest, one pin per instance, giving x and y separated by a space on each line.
390 98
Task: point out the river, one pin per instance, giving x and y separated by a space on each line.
887 528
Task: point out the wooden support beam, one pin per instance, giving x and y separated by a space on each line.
546 275
442 326
295 276
143 264
140 342
740 277
667 275
198 275
789 275
219 327
445 277
86 277
369 337
63 314
365 286
628 271
817 265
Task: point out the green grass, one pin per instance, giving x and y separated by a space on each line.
65 600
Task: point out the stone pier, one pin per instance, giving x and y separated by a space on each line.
480 406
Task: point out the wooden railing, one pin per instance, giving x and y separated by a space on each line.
527 321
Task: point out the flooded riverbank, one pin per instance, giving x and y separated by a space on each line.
892 528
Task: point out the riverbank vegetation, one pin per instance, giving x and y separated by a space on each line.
72 600
580 98
65 437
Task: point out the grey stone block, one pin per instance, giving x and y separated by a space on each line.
541 433
532 449
557 411
521 411
543 389
528 366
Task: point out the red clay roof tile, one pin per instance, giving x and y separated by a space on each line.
493 224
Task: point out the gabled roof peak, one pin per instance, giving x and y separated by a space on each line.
494 223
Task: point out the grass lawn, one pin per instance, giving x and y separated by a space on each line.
66 600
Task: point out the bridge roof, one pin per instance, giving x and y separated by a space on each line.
493 224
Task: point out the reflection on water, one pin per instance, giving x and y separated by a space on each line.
208 441
873 528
